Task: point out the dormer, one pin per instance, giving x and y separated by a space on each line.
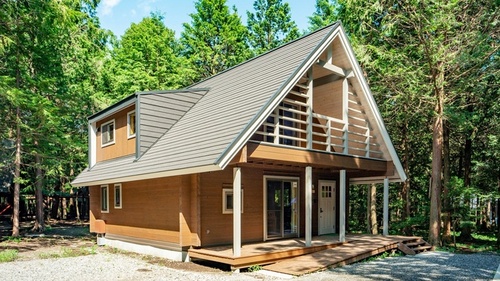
132 126
112 132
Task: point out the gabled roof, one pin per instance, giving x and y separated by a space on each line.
217 126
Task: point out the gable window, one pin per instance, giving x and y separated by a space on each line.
227 200
108 133
104 199
131 124
118 196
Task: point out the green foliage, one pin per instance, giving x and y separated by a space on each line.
254 268
8 255
326 13
215 39
146 58
271 25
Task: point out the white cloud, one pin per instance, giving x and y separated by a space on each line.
146 5
108 5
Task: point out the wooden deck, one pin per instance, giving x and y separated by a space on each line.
290 256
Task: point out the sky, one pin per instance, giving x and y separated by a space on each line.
117 15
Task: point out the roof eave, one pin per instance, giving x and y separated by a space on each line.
169 173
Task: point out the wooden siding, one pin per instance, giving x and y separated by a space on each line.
327 99
123 145
217 228
150 209
263 152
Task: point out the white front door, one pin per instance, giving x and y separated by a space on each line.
326 207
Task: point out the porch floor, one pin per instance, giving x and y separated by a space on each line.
291 256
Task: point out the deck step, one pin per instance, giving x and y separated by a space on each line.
415 246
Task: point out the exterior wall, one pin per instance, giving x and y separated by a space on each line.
151 210
123 145
217 228
180 212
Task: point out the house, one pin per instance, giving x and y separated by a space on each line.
264 150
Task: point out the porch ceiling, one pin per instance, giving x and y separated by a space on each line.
265 154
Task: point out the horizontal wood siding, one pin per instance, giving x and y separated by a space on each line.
123 145
217 228
150 208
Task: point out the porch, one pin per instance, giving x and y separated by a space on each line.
293 257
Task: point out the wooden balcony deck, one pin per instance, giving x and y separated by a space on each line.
290 256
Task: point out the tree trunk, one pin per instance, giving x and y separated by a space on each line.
446 184
373 208
40 218
437 154
17 176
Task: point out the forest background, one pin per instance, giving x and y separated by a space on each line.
432 66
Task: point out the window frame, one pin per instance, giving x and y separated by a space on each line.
102 199
128 124
225 193
102 133
118 187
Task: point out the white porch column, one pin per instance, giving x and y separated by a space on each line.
308 206
92 144
236 211
342 210
385 230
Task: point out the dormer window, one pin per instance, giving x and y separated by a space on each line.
131 124
108 133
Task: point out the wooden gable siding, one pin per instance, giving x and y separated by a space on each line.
151 209
123 145
159 112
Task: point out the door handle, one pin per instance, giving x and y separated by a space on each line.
321 210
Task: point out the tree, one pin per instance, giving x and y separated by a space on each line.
146 58
326 13
47 70
215 39
271 25
423 59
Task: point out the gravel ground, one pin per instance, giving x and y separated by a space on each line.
426 266
111 266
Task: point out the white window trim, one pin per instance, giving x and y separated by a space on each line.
225 193
114 134
117 186
128 124
107 198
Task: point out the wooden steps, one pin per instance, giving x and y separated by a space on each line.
415 246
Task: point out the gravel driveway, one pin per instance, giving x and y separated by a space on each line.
111 266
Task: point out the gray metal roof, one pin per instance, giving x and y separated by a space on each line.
219 122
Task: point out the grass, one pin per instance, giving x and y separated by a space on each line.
8 255
66 252
483 242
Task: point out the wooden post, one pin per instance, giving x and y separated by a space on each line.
236 211
308 206
386 207
342 210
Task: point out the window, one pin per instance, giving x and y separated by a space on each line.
131 124
104 199
227 200
108 133
118 196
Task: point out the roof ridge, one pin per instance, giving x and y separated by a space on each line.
263 54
